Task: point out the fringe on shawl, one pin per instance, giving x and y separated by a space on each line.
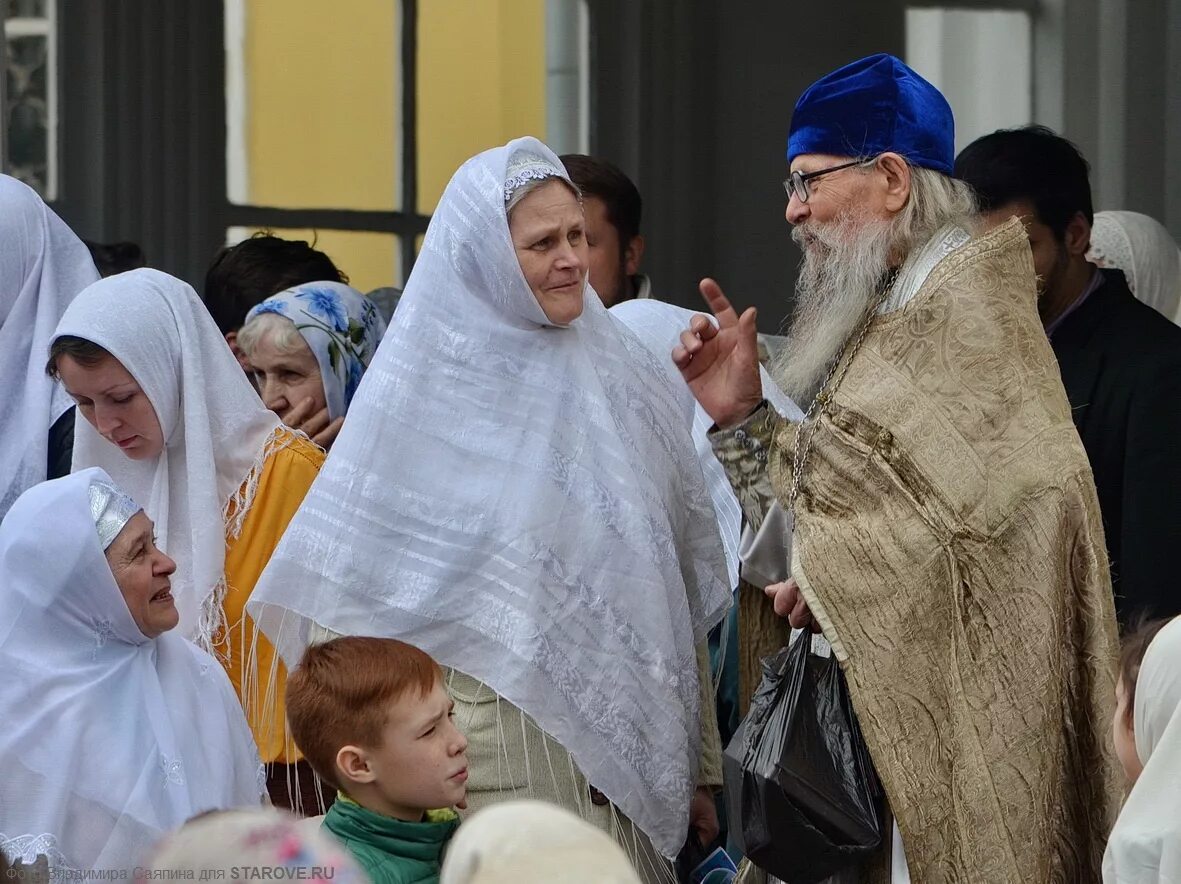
258 694
259 700
212 621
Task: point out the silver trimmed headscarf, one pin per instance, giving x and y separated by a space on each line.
110 508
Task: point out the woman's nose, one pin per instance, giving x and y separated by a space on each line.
273 395
167 566
570 256
105 420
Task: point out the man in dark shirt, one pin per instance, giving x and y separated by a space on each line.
1120 359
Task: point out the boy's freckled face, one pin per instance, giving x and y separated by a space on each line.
421 763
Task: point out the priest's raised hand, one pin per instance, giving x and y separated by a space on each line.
721 363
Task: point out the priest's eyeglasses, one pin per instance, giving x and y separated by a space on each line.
797 182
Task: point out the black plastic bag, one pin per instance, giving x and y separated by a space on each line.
801 794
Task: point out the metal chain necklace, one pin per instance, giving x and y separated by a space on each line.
802 446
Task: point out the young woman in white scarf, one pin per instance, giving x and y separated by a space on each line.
116 729
1145 845
43 265
515 491
168 413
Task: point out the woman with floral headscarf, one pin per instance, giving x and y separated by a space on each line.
309 347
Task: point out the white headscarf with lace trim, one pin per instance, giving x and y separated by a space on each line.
1142 248
524 503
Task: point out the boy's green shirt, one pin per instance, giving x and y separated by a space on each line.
392 851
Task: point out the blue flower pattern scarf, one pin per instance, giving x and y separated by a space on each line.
341 327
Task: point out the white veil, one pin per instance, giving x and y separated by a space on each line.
43 265
524 503
110 739
1148 255
217 431
658 326
1145 845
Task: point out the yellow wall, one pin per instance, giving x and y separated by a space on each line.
322 99
481 82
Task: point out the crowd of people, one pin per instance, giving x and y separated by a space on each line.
476 588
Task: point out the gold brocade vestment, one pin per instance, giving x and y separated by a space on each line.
948 539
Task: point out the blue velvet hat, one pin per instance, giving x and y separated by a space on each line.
870 106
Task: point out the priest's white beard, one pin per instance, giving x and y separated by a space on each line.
845 263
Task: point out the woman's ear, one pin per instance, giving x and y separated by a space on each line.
352 763
897 180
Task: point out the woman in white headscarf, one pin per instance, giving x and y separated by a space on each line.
43 265
167 412
1144 250
1145 845
516 492
116 729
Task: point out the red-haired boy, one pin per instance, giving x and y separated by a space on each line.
373 718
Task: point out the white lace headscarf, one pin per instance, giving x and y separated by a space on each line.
110 739
1145 845
217 432
43 265
1143 249
524 503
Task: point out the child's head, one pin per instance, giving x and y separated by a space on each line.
372 717
232 845
1133 648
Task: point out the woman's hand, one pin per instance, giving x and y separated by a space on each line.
789 602
318 427
721 363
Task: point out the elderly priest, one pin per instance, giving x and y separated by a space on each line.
947 538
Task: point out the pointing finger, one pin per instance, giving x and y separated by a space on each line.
719 305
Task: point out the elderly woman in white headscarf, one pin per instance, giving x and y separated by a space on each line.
1148 255
116 729
43 265
168 413
1145 845
309 347
516 492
